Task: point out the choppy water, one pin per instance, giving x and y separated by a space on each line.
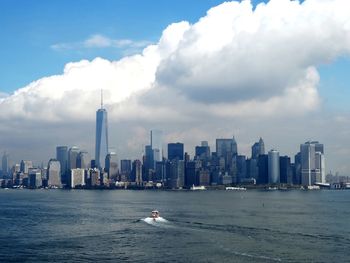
203 226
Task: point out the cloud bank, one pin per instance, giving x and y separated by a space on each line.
236 63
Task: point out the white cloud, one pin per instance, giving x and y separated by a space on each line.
235 66
101 41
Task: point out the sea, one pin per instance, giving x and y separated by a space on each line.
196 226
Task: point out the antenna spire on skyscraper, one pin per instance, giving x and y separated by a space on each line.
101 98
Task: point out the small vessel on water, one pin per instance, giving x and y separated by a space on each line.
155 214
194 188
236 188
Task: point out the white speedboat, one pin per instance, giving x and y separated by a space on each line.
155 215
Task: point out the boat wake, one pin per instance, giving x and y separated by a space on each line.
155 221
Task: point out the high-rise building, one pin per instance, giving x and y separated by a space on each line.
34 178
202 152
125 166
241 166
274 167
175 151
62 157
258 148
73 157
111 165
148 160
101 145
77 178
25 166
297 169
54 173
286 173
192 173
176 174
225 147
83 160
312 163
156 145
136 172
5 164
263 177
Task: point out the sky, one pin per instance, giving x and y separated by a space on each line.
198 70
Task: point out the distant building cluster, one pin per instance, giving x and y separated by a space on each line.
74 168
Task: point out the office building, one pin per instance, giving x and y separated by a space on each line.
34 178
54 173
175 151
125 166
241 167
258 148
78 178
73 153
274 167
156 145
136 173
25 166
192 173
286 173
5 165
176 174
312 163
111 166
263 175
62 157
83 160
101 144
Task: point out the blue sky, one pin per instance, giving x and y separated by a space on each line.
30 28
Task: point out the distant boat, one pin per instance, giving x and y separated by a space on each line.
202 187
155 215
236 188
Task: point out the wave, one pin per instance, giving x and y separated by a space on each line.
155 221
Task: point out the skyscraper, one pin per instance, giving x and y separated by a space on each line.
156 145
73 158
312 163
258 148
225 147
83 160
54 173
5 164
175 151
274 167
101 145
62 157
111 165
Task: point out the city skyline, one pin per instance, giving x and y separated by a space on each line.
159 77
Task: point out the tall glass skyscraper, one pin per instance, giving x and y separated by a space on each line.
101 146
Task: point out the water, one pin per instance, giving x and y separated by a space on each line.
200 226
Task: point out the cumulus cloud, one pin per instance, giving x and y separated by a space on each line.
236 63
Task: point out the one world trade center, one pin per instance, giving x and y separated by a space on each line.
101 146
